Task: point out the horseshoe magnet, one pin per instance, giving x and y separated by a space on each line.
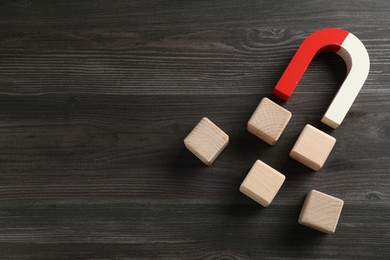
353 52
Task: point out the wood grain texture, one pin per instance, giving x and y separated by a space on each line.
206 141
262 183
312 147
96 98
321 211
268 121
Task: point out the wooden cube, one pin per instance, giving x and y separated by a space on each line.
321 211
312 147
206 141
268 121
262 183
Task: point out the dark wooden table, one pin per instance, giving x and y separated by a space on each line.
96 98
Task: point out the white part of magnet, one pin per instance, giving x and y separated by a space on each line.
357 60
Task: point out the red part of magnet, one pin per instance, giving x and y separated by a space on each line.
325 40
